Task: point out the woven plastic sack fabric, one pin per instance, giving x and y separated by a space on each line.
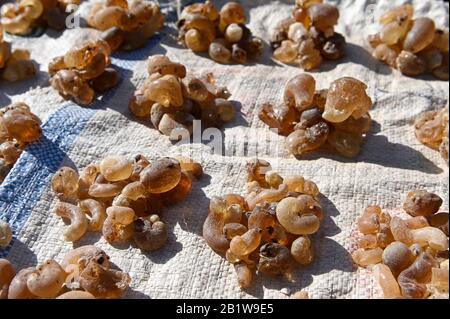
392 161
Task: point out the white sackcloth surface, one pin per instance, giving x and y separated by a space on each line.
391 163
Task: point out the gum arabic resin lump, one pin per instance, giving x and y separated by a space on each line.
223 34
84 273
22 16
409 257
431 129
308 37
268 230
414 46
126 25
122 198
5 235
15 65
310 118
81 70
172 99
18 128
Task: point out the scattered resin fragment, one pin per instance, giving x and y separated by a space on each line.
412 280
387 281
150 234
397 256
367 257
431 129
422 203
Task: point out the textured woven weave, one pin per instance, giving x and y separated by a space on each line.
392 161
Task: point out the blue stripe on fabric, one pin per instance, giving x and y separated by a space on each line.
23 187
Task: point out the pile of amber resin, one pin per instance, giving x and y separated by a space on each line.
14 65
267 230
20 17
126 26
18 128
121 198
413 46
84 273
432 130
409 257
202 28
308 36
82 71
173 99
310 119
